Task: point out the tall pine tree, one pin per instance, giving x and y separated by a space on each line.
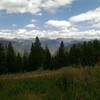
25 61
10 58
48 59
60 58
19 66
36 57
3 69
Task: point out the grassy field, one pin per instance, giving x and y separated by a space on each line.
63 84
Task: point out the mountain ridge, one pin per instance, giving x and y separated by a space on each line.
24 45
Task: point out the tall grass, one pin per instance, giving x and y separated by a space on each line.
63 84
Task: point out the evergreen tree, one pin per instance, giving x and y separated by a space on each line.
31 58
60 58
25 61
96 50
10 58
36 57
67 62
2 59
48 59
37 43
75 55
86 54
19 63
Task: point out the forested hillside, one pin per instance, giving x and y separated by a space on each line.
85 54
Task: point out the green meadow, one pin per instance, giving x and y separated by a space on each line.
63 84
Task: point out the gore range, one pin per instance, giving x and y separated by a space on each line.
24 45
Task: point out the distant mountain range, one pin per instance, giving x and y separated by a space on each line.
24 45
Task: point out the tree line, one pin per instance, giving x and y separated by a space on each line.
85 54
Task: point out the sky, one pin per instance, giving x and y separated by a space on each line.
26 19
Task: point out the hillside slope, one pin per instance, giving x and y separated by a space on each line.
63 84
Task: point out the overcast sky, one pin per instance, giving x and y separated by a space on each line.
50 18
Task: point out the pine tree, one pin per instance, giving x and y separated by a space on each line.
75 55
96 51
36 57
2 59
61 56
37 42
31 59
48 59
25 61
10 58
19 63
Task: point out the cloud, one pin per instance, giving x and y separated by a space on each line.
30 26
33 20
88 23
14 25
20 6
78 26
58 23
54 4
85 25
88 16
62 25
32 6
88 20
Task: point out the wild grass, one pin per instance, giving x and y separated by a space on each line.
63 84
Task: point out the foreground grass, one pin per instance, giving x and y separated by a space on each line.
63 84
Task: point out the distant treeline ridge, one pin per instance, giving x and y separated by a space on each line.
85 54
